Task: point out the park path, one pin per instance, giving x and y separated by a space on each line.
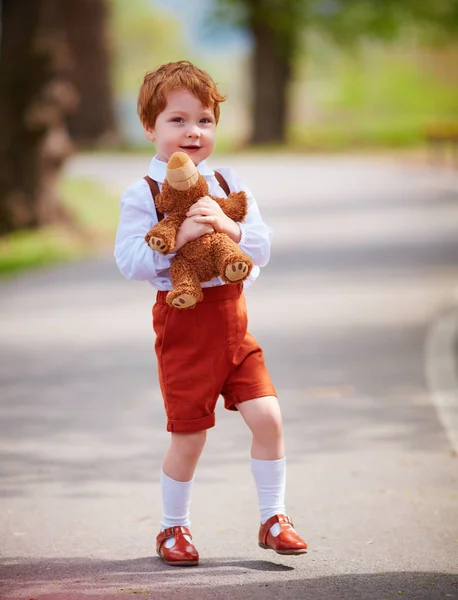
356 313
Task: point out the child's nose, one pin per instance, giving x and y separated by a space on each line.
193 131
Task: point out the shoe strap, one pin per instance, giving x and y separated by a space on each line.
281 519
170 532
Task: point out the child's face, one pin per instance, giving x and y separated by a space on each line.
184 125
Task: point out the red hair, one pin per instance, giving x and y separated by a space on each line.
152 97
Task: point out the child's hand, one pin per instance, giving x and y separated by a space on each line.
209 212
191 230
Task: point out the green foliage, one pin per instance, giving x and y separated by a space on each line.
356 134
392 85
345 21
30 249
94 209
384 97
284 18
143 38
348 22
280 15
95 212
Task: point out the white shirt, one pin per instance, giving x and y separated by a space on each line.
134 257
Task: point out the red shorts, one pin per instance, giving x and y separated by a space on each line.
204 352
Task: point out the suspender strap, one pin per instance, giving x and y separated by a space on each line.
154 192
223 183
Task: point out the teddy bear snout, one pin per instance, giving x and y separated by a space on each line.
177 160
182 173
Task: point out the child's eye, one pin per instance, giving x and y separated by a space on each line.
177 120
206 120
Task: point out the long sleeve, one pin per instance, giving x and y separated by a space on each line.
134 258
256 235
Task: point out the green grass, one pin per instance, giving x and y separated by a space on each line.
93 207
95 212
386 97
360 134
393 85
30 249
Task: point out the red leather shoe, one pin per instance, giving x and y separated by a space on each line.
182 553
286 542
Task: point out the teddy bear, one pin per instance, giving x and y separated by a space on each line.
211 255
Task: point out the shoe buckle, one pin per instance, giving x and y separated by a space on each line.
169 532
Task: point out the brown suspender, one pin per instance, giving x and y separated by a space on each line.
223 183
155 190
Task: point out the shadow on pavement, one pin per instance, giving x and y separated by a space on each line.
75 578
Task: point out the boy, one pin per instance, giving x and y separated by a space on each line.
178 106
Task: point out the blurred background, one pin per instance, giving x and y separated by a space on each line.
342 118
309 76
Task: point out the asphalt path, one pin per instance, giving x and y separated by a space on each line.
357 316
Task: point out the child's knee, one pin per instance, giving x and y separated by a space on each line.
189 443
265 420
270 424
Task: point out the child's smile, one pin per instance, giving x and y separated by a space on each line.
191 148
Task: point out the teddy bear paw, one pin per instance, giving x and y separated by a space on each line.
236 271
182 301
158 244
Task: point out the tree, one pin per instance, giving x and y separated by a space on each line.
94 120
279 27
276 28
37 96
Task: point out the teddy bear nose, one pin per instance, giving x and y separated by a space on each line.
177 160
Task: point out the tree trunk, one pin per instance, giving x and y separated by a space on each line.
271 75
94 120
35 97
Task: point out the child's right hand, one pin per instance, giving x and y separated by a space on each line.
190 230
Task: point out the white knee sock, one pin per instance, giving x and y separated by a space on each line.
270 479
176 502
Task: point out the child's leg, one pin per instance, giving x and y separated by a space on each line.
177 478
263 417
183 454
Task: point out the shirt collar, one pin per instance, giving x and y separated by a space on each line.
158 169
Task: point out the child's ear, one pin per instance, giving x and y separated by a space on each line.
149 134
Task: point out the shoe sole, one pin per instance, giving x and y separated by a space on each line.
179 563
286 552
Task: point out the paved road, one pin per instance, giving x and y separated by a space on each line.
355 315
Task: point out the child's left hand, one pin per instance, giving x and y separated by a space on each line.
210 212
